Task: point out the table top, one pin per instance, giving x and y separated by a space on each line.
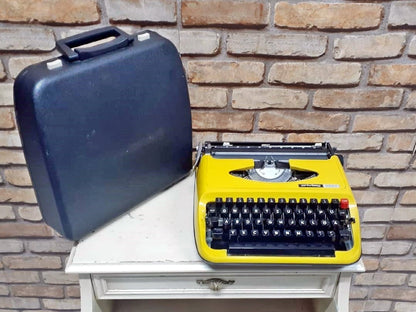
157 237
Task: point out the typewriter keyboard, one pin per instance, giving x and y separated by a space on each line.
279 226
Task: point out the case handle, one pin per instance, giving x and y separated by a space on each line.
65 45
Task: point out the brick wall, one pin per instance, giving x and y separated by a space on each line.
342 71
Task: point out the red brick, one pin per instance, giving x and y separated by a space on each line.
18 176
357 99
207 97
11 157
260 98
375 197
32 262
378 161
6 119
50 11
390 122
289 45
141 11
17 195
245 13
303 121
402 231
392 75
220 72
320 74
252 137
339 16
37 291
25 230
240 122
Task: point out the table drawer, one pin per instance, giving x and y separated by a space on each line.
266 285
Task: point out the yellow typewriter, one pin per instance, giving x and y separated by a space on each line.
274 203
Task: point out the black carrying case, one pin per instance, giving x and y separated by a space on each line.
103 128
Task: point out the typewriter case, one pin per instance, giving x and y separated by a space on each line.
103 128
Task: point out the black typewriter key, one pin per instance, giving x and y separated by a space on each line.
217 233
208 223
276 233
302 223
281 203
303 203
236 224
211 212
291 223
219 244
250 202
255 212
247 224
258 224
299 234
280 223
324 203
313 203
309 234
320 214
310 213
320 234
266 212
229 202
232 235
239 202
243 234
331 236
271 203
235 213
218 202
292 203
268 224
226 224
224 212
265 233
245 212
324 224
255 234
332 213
299 213
313 224
335 203
277 213
220 222
261 202
335 224
288 212
287 233
343 214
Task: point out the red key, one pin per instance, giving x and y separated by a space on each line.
344 204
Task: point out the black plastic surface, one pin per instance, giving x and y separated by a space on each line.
103 134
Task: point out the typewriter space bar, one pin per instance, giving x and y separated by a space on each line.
282 249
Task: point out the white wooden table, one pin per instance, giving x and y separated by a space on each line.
150 253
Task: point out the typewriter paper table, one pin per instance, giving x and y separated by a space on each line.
150 254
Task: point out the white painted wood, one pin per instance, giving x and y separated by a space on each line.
89 303
269 285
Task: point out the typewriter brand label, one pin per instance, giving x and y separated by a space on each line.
320 185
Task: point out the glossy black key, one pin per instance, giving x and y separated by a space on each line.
292 203
239 202
281 203
236 224
313 203
335 203
245 212
217 233
224 212
277 212
226 224
247 224
211 211
258 224
218 202
324 203
235 213
232 235
250 202
268 224
271 203
229 202
280 224
261 202
255 212
266 212
303 203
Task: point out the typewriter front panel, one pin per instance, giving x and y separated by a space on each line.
214 181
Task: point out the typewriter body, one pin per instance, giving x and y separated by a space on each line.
274 203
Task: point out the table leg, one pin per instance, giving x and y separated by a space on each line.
89 302
340 301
